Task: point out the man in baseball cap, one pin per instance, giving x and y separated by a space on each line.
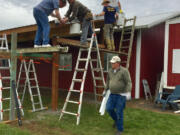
119 83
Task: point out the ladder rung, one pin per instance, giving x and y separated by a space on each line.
31 71
31 79
4 99
96 69
37 103
97 78
75 90
127 33
6 77
75 114
99 86
126 40
35 95
85 49
77 80
74 102
80 69
5 110
99 95
94 60
34 87
130 19
82 59
124 47
6 88
4 68
39 109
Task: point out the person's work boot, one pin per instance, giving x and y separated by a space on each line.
112 45
108 42
118 133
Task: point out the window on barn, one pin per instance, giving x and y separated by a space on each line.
65 62
107 58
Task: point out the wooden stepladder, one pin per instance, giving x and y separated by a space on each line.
87 56
126 42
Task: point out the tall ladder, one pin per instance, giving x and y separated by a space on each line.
5 81
85 57
126 42
27 76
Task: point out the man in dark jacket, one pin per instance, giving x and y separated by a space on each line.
83 14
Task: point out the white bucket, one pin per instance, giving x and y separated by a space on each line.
121 17
75 28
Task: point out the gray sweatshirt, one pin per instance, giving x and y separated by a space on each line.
119 81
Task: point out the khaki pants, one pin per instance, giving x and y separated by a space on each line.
109 36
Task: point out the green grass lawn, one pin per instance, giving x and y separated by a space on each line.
136 122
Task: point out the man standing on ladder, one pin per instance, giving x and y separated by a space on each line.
109 13
84 15
41 13
119 83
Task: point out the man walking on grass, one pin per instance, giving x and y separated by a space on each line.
41 13
119 83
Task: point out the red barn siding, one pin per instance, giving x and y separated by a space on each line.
174 43
152 54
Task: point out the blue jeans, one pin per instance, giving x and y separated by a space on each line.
115 106
86 30
43 29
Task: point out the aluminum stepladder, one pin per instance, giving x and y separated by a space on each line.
27 76
96 67
5 81
126 41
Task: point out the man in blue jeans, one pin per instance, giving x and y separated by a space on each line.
41 13
119 83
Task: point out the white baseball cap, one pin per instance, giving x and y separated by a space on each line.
115 59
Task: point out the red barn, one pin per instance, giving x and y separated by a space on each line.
155 49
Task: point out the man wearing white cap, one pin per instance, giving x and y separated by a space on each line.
119 83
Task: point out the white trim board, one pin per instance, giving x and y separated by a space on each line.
166 45
138 65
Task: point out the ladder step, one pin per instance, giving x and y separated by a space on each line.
35 95
6 77
125 47
130 19
75 91
3 38
125 40
4 68
39 109
77 80
96 69
34 87
97 78
5 110
31 79
85 49
99 95
4 99
74 102
81 59
75 114
94 60
37 103
81 69
6 88
99 86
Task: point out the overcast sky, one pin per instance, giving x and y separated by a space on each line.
16 13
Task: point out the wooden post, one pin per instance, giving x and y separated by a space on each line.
13 73
55 81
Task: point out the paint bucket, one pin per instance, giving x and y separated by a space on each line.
75 28
121 18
